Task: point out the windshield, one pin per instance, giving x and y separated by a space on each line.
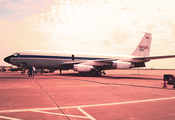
16 54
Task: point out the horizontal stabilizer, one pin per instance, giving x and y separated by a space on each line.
154 57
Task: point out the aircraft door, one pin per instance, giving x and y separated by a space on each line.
73 57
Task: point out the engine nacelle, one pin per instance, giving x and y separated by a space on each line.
83 68
122 65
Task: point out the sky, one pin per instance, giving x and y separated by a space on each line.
93 26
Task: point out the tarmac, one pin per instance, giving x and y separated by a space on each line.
118 95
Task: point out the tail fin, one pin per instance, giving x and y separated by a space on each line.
143 49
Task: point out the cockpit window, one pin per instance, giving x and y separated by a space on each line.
16 54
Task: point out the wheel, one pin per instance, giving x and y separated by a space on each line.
98 73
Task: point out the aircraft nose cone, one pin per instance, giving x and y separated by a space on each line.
7 59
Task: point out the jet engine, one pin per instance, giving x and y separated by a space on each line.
83 68
122 65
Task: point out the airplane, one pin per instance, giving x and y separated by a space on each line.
85 63
15 68
11 68
3 69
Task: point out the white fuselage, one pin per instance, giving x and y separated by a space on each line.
55 60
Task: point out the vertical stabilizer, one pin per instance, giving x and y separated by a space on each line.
143 49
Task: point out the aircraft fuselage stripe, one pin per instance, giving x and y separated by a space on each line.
59 57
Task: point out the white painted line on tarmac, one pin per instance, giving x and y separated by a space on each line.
119 103
60 114
9 118
81 106
25 110
89 116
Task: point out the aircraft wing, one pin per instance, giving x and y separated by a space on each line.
71 63
95 63
154 57
105 60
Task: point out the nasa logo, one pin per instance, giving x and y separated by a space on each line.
142 48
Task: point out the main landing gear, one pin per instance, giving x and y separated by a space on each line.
97 73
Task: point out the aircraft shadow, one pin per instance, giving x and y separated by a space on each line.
139 78
111 77
123 84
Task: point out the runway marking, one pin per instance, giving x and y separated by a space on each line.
60 114
89 116
9 118
119 103
82 106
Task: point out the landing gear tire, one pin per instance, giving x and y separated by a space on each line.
92 73
96 73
